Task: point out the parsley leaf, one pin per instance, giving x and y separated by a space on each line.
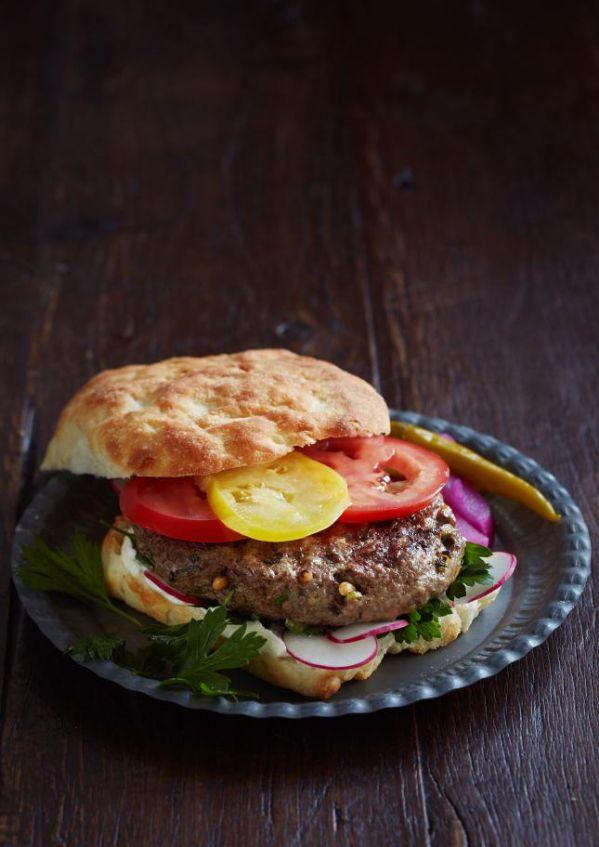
302 628
96 647
131 536
191 655
474 569
424 622
200 663
79 573
282 598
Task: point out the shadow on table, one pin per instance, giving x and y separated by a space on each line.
61 698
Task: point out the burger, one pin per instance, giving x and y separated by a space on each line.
268 481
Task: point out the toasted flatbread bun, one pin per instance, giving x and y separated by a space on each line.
195 416
273 664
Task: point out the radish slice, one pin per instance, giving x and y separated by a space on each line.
466 501
318 651
470 532
359 631
168 589
502 567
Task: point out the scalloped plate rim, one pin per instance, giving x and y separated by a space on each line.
471 669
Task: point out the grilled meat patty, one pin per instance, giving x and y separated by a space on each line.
394 567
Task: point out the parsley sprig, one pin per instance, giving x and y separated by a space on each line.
191 655
424 622
302 628
79 573
92 647
194 660
474 569
131 536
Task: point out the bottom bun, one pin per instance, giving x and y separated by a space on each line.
126 581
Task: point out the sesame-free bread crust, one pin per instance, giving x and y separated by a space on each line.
195 416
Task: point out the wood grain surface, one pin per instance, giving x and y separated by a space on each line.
408 189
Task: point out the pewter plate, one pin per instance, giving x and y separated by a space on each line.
553 567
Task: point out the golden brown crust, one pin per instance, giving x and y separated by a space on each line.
286 672
283 671
195 416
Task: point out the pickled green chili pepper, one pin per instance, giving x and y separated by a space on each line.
480 471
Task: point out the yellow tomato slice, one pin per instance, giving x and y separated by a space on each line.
289 498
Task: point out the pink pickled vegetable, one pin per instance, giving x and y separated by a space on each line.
470 532
466 501
473 513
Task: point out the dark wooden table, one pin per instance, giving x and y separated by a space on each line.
408 189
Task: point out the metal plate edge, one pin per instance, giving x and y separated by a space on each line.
566 596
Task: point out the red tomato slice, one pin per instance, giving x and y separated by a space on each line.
173 507
387 478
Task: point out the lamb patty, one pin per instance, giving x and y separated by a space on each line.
394 567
